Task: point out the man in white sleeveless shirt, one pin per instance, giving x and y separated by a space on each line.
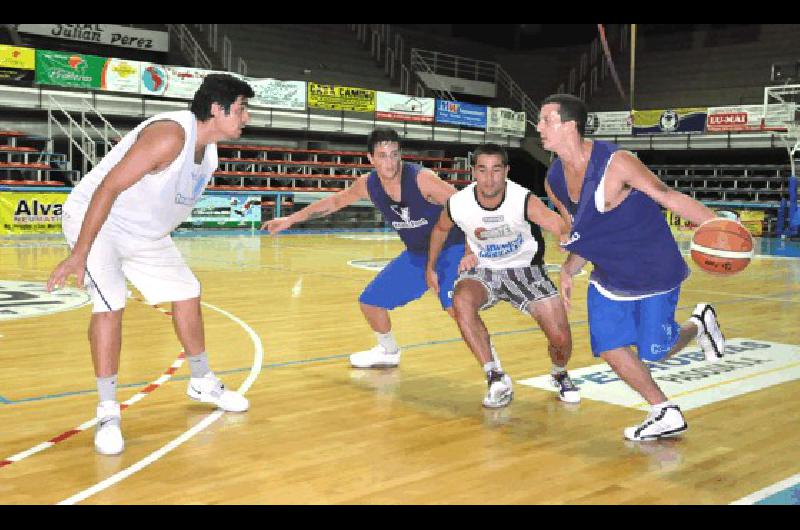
117 222
501 221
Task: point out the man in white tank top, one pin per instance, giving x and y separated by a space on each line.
501 221
117 222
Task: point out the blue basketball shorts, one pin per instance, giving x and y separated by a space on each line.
649 323
403 279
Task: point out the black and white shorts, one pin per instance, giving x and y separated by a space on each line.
518 286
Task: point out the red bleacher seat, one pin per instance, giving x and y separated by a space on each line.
30 183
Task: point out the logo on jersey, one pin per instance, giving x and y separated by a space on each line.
404 213
198 184
573 237
498 250
495 219
484 234
30 299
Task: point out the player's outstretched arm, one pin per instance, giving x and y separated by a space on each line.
157 146
635 174
438 237
543 216
434 189
321 208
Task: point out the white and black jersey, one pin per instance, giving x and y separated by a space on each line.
501 237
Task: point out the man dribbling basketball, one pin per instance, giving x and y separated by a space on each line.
612 202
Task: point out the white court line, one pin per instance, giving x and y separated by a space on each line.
208 420
769 490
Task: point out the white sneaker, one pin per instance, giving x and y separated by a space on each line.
668 421
376 357
108 435
500 392
709 336
567 391
209 389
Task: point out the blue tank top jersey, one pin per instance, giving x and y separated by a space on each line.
413 217
630 246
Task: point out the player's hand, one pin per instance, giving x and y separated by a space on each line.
469 261
74 264
566 290
432 279
279 224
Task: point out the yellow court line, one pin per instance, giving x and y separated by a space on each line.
725 383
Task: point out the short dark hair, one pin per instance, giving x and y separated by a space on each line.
570 108
381 135
491 149
222 89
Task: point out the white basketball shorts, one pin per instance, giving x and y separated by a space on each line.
156 268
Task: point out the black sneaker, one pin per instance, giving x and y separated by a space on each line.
567 391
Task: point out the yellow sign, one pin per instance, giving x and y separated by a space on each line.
333 97
16 57
31 212
753 220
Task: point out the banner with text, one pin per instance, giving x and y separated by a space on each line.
213 211
140 39
460 113
69 69
171 81
30 212
334 97
609 123
501 120
690 120
748 117
399 107
277 94
17 65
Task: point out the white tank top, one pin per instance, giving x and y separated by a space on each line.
502 238
159 202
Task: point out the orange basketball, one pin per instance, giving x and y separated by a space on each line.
722 246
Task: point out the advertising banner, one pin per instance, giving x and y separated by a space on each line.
140 39
609 123
459 113
17 65
399 107
213 211
31 212
120 75
748 117
334 97
171 81
69 69
690 120
277 94
505 121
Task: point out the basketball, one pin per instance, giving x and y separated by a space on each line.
722 246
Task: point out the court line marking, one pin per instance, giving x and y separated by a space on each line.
722 383
255 370
163 378
762 494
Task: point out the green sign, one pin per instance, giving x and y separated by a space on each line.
69 69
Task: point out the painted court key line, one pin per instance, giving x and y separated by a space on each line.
83 426
91 423
255 370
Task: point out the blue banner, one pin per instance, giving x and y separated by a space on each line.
459 113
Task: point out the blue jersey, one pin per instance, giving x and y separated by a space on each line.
413 217
630 246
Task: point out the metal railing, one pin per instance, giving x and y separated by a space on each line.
588 75
87 146
222 48
189 46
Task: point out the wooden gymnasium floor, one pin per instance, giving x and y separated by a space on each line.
321 432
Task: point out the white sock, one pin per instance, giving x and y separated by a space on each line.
699 324
491 366
107 388
658 407
495 357
558 369
198 364
387 341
